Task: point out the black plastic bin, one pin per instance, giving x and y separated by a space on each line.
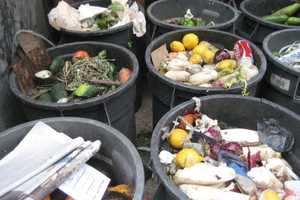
121 163
251 25
236 111
122 35
167 93
224 15
282 82
116 108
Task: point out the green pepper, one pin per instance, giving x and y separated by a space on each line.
86 90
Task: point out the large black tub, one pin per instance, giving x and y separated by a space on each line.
116 108
121 35
222 14
251 25
236 111
167 93
282 82
121 163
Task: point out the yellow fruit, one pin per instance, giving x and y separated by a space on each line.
177 138
195 59
226 64
270 195
190 41
199 49
176 46
208 56
187 158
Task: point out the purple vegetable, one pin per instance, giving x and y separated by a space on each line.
222 54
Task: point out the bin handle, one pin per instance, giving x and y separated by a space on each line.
296 98
249 36
107 114
153 32
172 98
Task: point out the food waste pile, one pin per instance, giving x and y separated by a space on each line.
209 160
200 63
189 20
78 77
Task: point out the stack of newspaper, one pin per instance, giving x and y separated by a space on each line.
46 160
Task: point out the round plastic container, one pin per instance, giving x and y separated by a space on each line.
116 108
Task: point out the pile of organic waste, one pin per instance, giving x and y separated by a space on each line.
289 55
200 63
117 192
190 20
88 18
208 162
77 78
286 15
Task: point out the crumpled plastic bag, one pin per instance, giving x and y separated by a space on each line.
275 136
137 18
64 16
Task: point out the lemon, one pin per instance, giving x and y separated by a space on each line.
270 195
177 138
187 158
199 49
208 56
195 59
176 46
190 41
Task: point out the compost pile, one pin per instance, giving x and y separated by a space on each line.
200 63
286 15
77 78
89 18
189 20
289 55
210 163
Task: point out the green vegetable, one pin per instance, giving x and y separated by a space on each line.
102 54
45 97
116 7
56 65
200 22
293 21
289 10
276 19
86 90
57 92
106 20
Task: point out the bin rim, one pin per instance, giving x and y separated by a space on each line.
260 20
155 140
163 24
84 103
139 188
272 58
195 89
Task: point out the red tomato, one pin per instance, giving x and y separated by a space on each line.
81 54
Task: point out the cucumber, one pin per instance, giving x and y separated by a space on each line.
56 65
58 92
293 21
276 19
288 10
86 90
